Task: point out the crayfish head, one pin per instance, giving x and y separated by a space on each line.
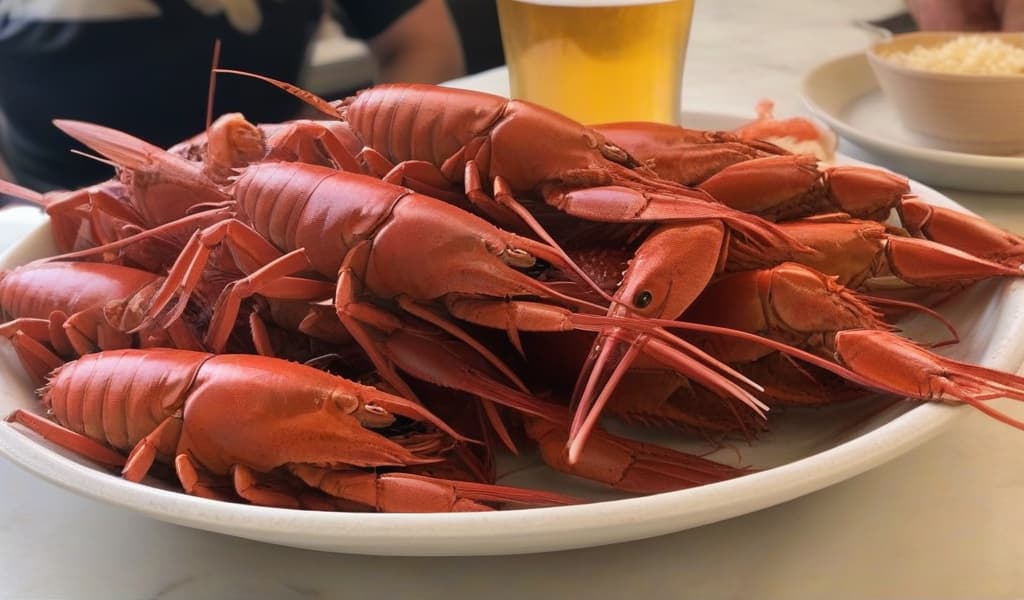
670 269
430 249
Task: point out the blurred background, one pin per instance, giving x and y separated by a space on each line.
341 65
74 49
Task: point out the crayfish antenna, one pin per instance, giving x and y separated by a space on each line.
661 325
667 348
667 272
213 84
98 159
608 364
557 258
892 302
306 96
680 355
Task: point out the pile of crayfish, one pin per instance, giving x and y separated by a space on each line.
359 312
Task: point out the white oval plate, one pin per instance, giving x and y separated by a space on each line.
803 453
843 92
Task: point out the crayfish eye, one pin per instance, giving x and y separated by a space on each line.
643 299
373 416
514 257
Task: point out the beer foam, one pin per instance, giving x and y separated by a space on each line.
592 3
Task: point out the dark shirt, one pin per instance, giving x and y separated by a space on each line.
149 76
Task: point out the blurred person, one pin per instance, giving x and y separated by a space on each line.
142 66
968 15
479 32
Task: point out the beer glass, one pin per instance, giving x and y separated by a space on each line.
598 61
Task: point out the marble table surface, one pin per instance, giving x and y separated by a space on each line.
942 521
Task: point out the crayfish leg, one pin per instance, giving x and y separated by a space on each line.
198 482
28 337
792 186
628 465
65 438
404 492
503 214
311 142
88 331
263 490
620 204
966 232
145 452
376 491
901 366
766 186
272 280
419 175
662 398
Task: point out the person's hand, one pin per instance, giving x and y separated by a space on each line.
244 15
422 46
5 173
968 15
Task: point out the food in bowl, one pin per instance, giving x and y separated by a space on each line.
955 90
968 54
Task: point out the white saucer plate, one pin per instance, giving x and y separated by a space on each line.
805 451
844 94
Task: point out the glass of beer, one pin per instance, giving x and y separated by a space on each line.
598 61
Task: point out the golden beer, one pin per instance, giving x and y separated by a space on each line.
598 61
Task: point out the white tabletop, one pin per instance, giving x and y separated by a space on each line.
943 521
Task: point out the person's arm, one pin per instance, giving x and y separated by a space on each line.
422 46
1012 14
968 15
5 172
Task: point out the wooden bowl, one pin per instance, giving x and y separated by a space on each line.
962 112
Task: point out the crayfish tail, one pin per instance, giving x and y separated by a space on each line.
122 148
